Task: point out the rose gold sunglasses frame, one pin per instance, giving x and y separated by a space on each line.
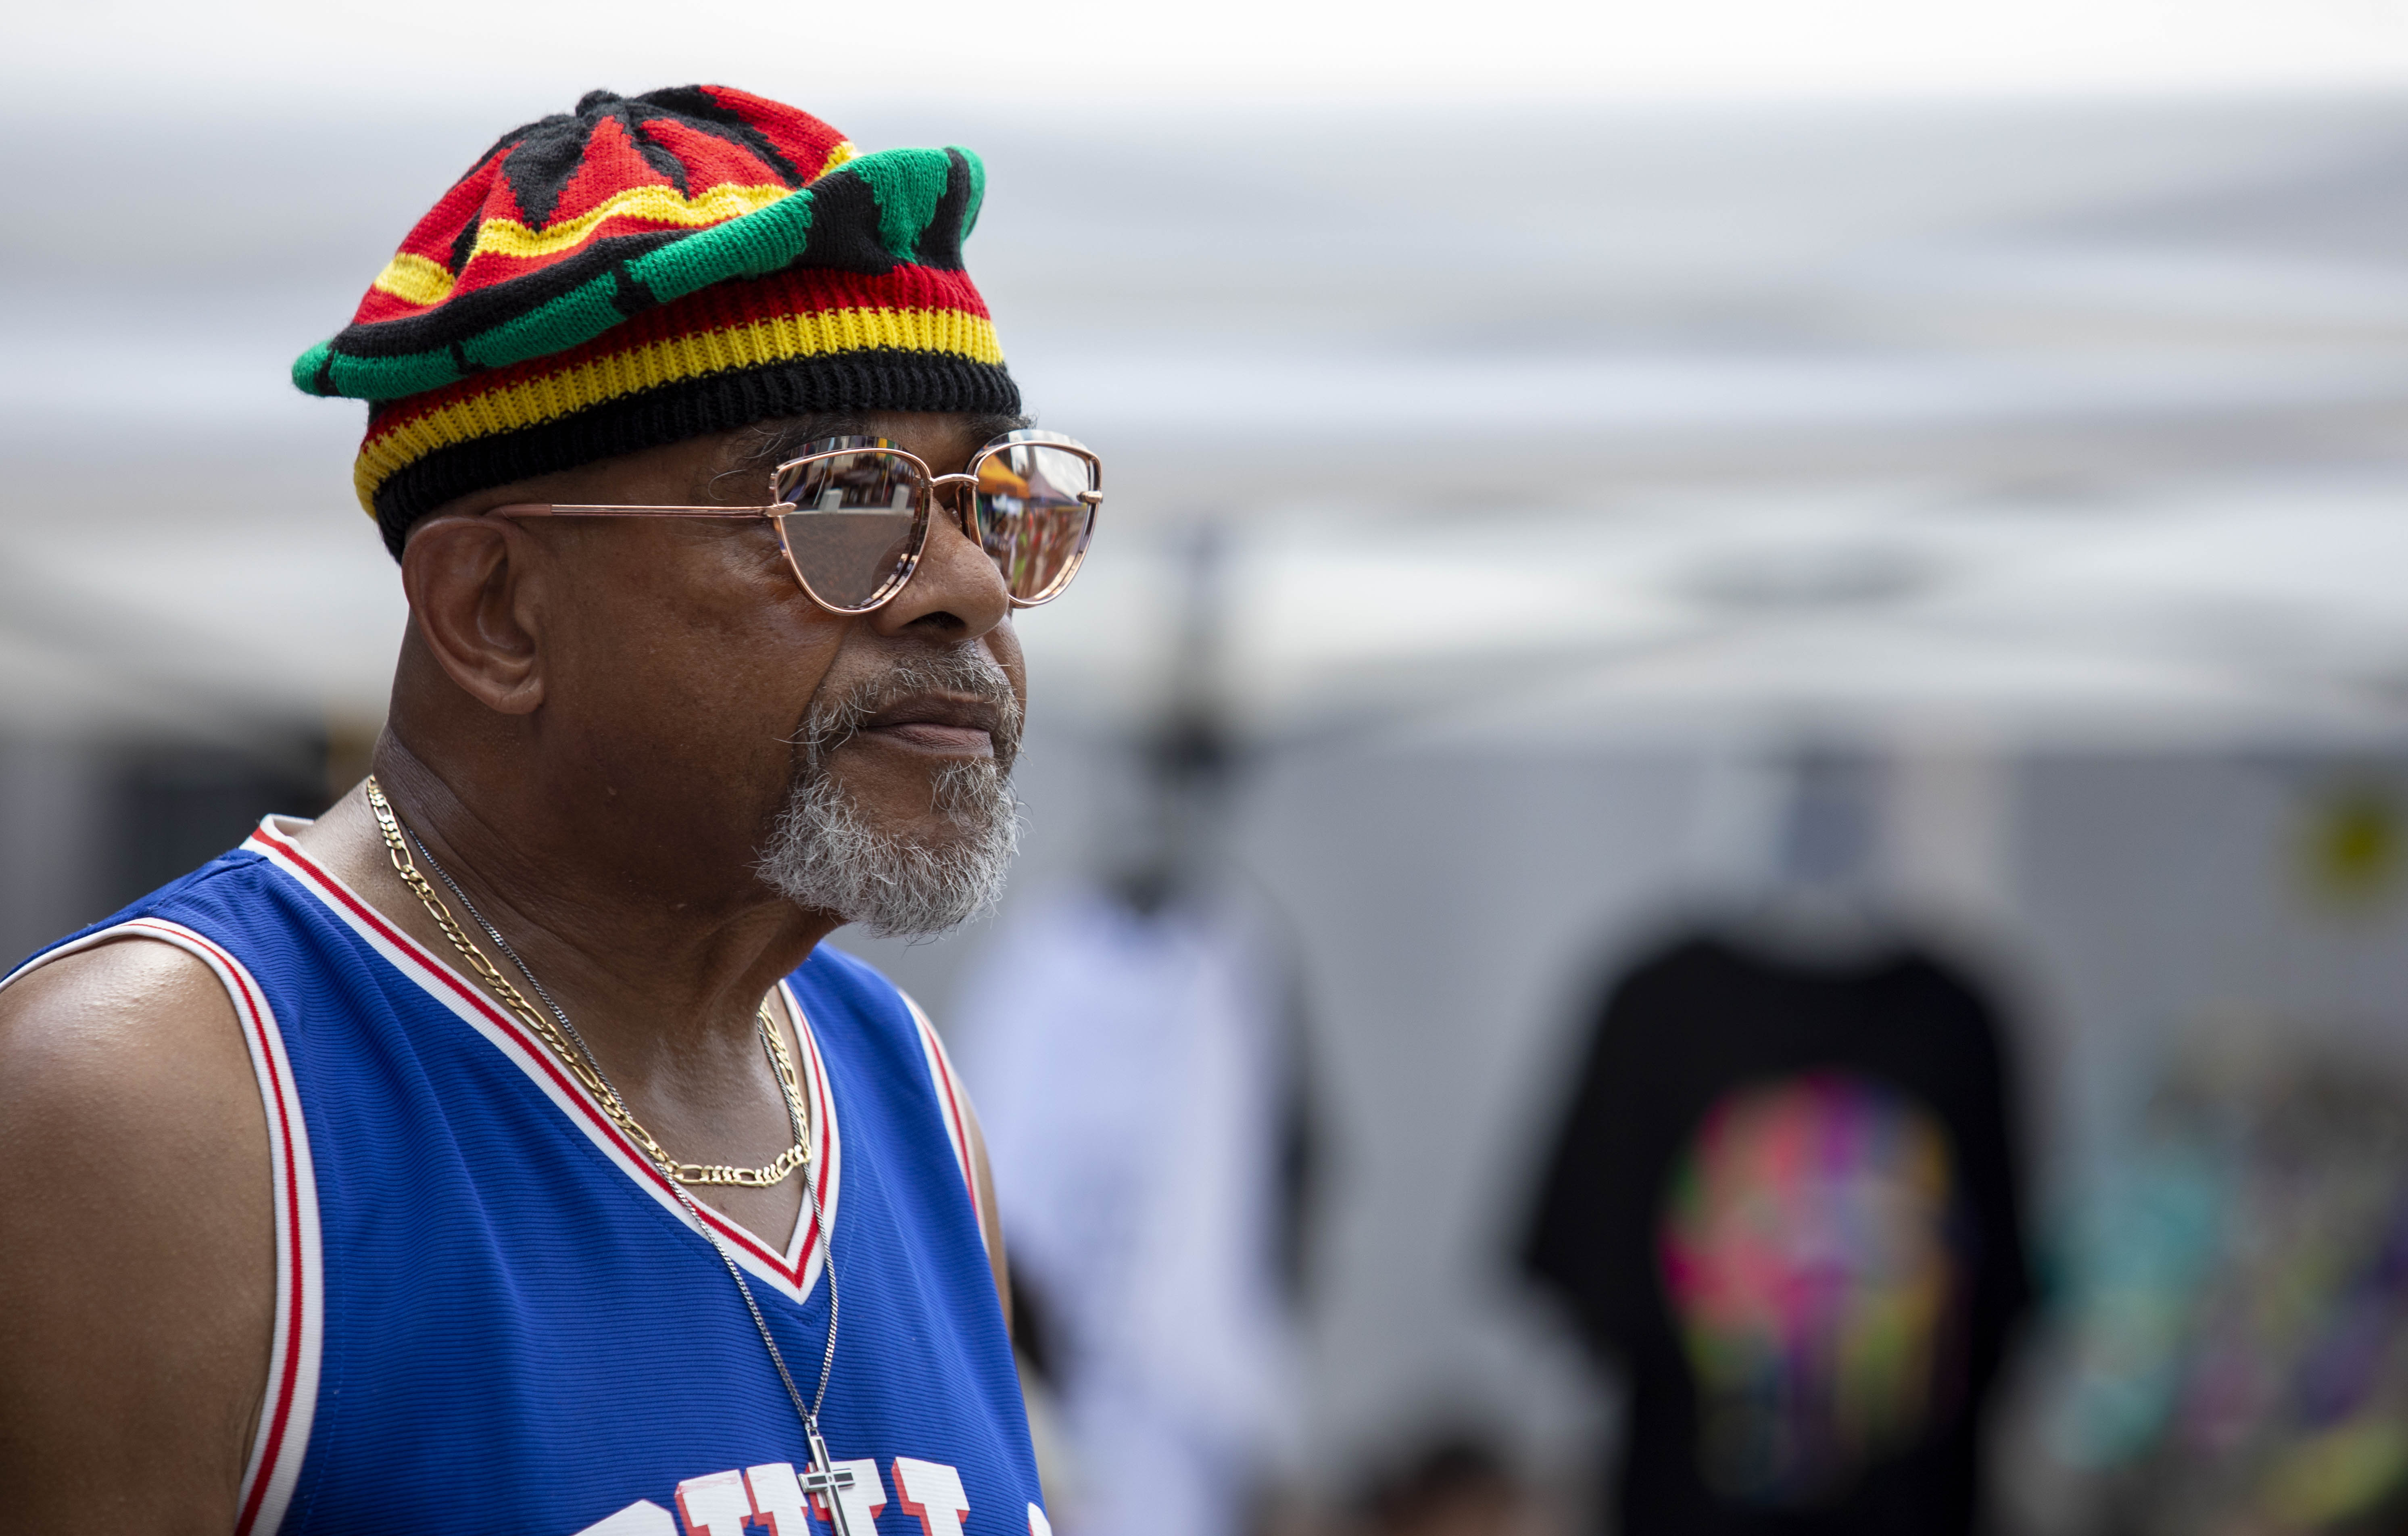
922 513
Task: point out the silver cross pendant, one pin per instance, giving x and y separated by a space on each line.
825 1480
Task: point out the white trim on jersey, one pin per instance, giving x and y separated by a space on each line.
792 1273
291 1402
950 1102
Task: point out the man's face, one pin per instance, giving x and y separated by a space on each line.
722 721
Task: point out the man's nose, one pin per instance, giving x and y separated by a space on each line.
956 587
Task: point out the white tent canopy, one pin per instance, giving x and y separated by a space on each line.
2091 398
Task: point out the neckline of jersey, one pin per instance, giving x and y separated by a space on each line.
794 1270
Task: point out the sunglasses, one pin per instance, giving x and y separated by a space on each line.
852 515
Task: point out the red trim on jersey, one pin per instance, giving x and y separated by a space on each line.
960 1128
274 1440
958 1125
572 1090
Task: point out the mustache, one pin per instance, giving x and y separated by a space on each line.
970 673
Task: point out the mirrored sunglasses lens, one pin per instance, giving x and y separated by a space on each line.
1032 518
855 523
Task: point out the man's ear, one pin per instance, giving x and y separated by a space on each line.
472 585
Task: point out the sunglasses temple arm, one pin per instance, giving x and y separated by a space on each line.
547 509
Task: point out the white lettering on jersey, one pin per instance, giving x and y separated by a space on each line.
932 1491
717 1505
1038 1524
770 1496
641 1518
778 1499
861 1500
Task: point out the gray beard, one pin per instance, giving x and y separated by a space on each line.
825 855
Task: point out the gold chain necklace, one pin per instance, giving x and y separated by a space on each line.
579 1061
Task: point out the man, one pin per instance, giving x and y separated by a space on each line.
502 1152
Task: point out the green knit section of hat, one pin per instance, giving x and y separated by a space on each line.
908 185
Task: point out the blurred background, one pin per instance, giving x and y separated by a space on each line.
1717 842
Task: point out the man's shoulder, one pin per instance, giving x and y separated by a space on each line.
119 990
125 1041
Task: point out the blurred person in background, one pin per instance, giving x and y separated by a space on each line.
491 1153
1134 1045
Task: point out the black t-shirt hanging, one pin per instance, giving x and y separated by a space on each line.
1785 1201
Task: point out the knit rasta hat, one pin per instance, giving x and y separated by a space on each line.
650 269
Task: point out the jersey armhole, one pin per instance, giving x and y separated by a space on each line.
950 1100
282 1436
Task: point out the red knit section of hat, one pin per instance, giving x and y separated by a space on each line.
610 163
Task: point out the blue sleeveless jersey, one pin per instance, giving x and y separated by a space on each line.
493 1316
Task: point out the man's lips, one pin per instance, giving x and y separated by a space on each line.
928 736
955 726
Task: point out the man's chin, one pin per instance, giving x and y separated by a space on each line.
907 875
916 827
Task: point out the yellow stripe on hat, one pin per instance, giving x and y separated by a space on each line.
532 402
415 280
654 204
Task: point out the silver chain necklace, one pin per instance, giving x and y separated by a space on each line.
824 1478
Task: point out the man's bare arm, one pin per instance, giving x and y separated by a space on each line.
138 1246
